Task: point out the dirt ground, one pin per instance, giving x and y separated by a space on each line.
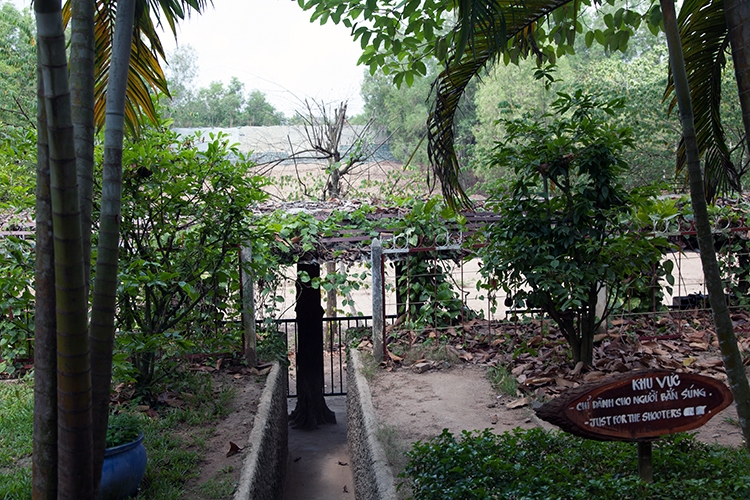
414 406
235 428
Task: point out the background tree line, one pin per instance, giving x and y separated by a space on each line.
216 105
638 73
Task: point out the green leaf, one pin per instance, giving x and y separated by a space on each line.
589 39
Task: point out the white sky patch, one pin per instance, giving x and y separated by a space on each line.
271 46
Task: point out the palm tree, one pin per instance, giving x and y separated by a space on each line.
484 31
707 31
44 464
72 361
70 450
724 330
102 327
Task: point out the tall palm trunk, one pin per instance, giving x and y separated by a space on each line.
724 330
82 99
737 14
73 367
44 458
105 284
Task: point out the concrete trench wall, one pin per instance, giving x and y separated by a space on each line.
373 479
264 468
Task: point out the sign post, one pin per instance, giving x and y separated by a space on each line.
638 406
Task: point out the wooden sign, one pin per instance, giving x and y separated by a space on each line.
638 406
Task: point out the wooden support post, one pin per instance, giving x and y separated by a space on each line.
645 463
248 305
311 409
378 307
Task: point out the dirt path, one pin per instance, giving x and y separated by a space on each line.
421 405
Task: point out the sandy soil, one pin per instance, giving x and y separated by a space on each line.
421 405
418 406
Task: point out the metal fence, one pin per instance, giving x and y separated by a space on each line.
338 332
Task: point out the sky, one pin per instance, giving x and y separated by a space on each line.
271 46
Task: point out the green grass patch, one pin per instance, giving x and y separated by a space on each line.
16 430
218 487
175 442
536 464
16 421
502 380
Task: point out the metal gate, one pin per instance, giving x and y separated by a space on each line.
338 332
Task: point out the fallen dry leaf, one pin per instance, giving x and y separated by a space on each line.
174 402
395 358
265 371
567 384
539 381
233 449
518 403
578 368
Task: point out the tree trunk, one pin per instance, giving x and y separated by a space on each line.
82 98
105 287
74 463
311 409
737 14
724 330
44 458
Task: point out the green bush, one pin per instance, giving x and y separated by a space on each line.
16 302
183 218
567 230
124 428
535 464
424 282
17 169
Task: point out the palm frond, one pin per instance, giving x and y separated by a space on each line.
485 30
705 42
146 74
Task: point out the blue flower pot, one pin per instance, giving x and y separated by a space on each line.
123 470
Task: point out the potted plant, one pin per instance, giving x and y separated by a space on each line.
124 458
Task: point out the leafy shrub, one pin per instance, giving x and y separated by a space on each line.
16 301
272 346
123 428
535 464
183 219
567 231
17 168
424 283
